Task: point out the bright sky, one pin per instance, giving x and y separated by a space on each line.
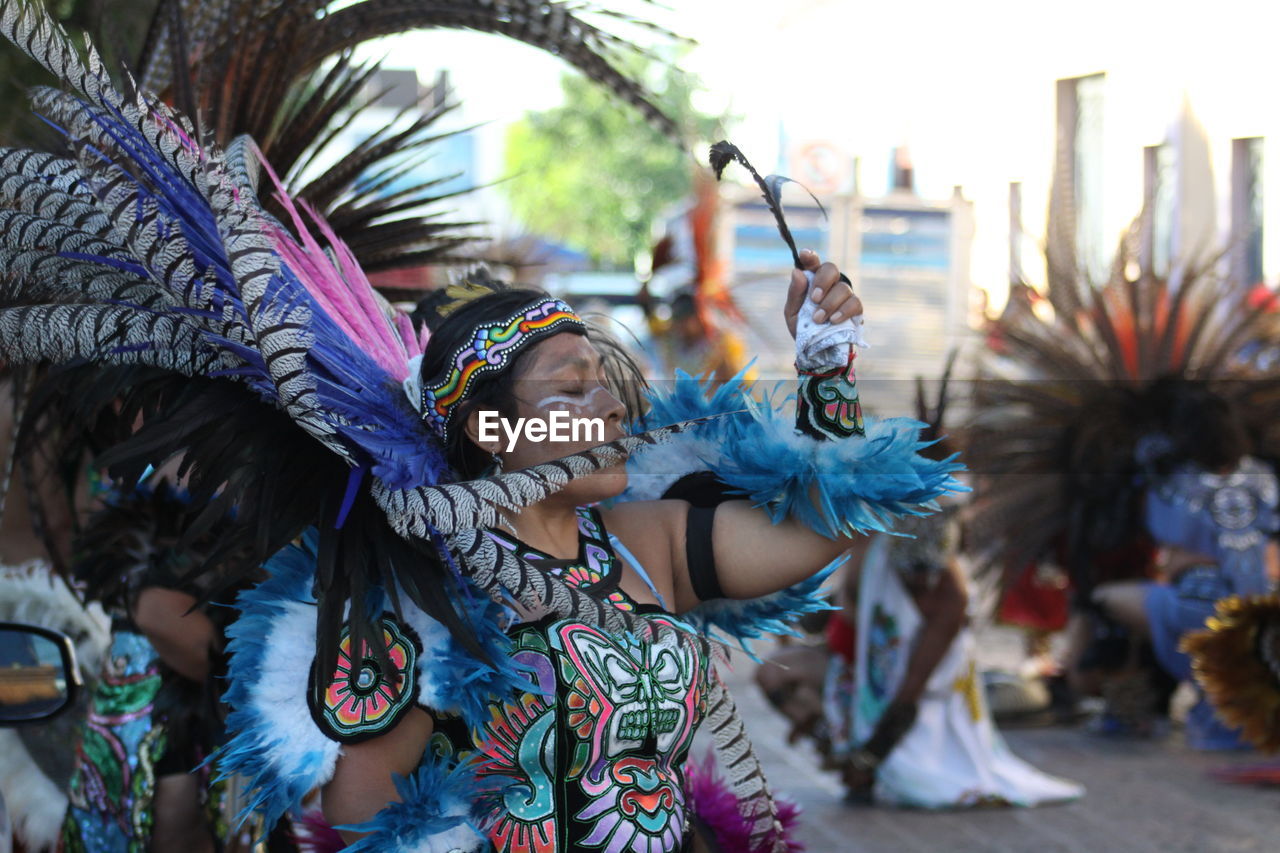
969 86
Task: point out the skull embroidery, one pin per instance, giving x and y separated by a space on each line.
643 690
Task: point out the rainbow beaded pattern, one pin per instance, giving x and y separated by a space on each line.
493 346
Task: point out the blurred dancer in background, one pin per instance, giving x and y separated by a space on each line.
685 341
154 713
909 719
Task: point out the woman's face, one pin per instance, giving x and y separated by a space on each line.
561 406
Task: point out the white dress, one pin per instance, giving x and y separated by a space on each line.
953 756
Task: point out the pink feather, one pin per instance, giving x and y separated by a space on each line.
340 287
313 834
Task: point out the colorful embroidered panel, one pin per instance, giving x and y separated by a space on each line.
827 405
595 749
360 700
595 570
114 782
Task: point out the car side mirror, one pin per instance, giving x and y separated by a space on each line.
38 675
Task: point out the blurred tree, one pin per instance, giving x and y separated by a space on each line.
118 29
592 175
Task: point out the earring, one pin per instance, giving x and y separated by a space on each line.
497 463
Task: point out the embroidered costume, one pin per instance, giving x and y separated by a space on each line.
145 721
601 735
1228 518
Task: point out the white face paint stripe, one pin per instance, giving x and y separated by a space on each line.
580 401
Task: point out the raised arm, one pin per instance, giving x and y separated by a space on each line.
754 557
812 482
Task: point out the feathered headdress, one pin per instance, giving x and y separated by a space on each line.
146 247
1236 659
1076 406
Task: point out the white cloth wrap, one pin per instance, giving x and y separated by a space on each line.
824 346
412 383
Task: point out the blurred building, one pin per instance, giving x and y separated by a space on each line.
1076 212
908 258
1179 220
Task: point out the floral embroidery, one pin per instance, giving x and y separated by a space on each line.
360 701
518 746
583 576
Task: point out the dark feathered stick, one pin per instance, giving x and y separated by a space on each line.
724 152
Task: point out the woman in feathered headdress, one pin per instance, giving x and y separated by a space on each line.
605 718
531 666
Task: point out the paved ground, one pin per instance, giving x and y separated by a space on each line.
1146 797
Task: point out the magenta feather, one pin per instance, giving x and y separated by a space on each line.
313 834
717 807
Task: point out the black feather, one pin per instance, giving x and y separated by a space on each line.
724 152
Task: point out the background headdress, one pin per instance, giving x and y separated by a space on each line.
1076 407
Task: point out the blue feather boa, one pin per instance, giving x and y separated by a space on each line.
438 812
750 619
274 742
854 485
861 484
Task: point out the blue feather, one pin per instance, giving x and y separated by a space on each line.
751 619
701 396
279 766
466 684
435 800
862 483
279 772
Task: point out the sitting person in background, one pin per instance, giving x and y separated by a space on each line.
911 725
792 676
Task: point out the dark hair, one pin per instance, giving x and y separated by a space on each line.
1216 439
426 312
1204 426
495 390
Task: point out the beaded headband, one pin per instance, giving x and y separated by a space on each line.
493 346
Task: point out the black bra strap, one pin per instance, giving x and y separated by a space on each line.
700 555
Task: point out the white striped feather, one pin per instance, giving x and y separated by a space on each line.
115 333
452 507
741 766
